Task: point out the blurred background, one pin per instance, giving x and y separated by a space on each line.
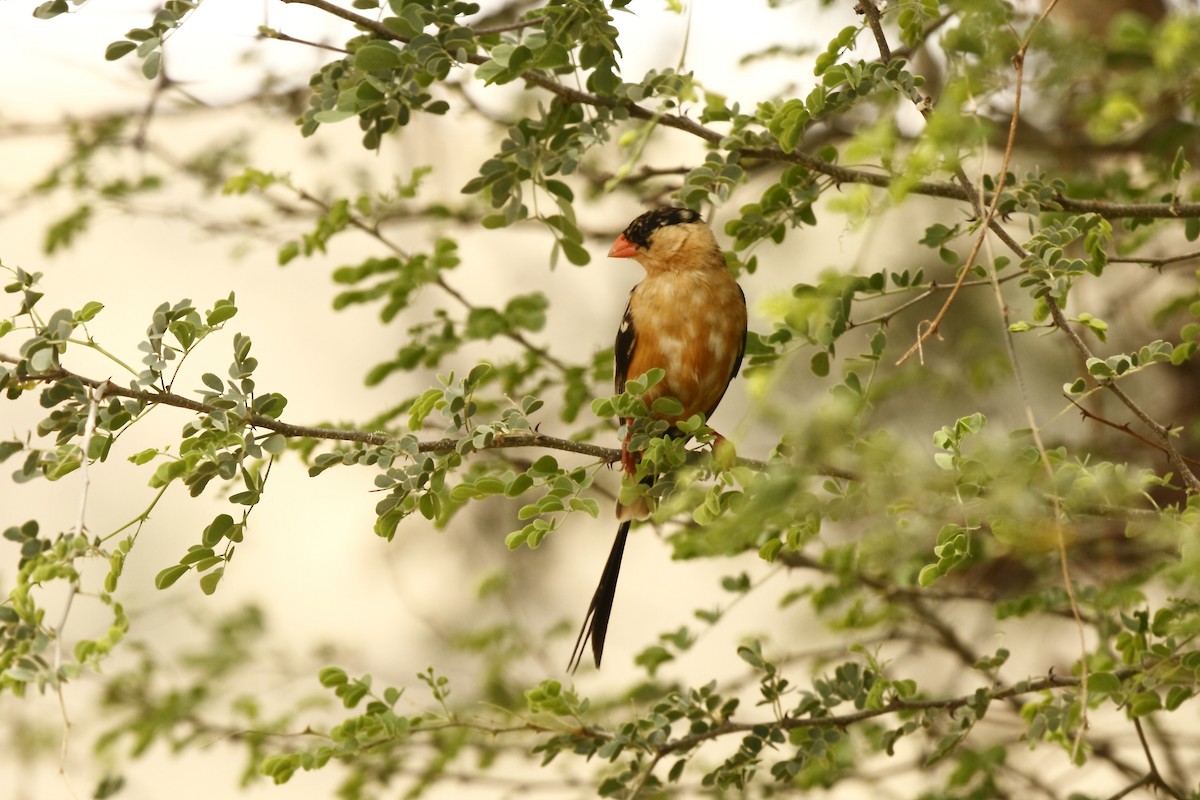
328 588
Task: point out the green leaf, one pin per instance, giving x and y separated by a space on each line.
1103 683
331 677
652 658
328 116
1144 703
771 550
666 407
88 312
168 576
151 65
1177 696
197 554
50 9
485 323
575 253
519 485
477 374
116 50
274 444
928 575
144 456
836 46
222 311
217 530
209 581
377 56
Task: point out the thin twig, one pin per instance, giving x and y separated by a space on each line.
1174 457
64 747
1156 262
1145 780
280 36
1126 429
871 11
95 395
1155 776
373 230
511 26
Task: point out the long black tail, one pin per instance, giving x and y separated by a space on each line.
595 624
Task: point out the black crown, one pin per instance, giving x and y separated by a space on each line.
640 229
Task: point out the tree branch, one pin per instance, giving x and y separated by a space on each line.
895 706
372 230
1156 263
446 445
947 190
871 11
1083 412
1174 457
1155 776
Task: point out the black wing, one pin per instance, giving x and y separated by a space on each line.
623 350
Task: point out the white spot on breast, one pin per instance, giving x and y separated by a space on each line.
716 344
672 348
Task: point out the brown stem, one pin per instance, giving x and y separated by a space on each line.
875 23
372 230
1126 430
896 706
1174 457
534 439
1155 776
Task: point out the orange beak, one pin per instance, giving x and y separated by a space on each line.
623 248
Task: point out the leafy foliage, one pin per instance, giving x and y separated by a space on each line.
927 497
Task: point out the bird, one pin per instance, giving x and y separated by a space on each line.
687 317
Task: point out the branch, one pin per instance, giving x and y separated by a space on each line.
372 230
279 36
1174 457
1157 263
895 706
987 214
1145 780
446 445
929 290
1083 412
947 190
511 26
871 11
1155 777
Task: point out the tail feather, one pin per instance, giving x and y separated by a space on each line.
595 623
